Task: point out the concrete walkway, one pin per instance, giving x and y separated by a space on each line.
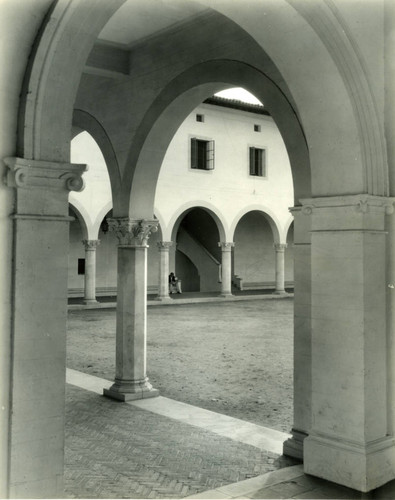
112 453
184 298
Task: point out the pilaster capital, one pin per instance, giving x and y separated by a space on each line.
360 212
35 174
226 246
91 244
361 203
164 245
280 247
132 233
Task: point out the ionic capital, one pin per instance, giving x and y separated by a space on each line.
226 246
280 247
164 245
91 244
33 174
133 233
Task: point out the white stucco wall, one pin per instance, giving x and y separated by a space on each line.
229 187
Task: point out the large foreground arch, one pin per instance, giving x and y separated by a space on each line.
332 86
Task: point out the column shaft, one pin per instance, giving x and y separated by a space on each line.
131 381
164 248
90 270
226 285
280 267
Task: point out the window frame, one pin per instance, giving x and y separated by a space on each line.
264 160
210 152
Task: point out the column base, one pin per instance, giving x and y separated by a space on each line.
90 301
280 292
162 299
131 390
293 447
362 467
226 295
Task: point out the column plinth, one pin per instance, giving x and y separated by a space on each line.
130 390
164 248
226 268
131 381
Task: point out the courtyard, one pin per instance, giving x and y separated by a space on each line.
234 358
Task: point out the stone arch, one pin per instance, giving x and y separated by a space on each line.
267 214
53 75
178 99
70 30
83 217
85 121
287 226
172 227
100 216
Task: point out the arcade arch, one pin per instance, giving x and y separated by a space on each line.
258 254
196 234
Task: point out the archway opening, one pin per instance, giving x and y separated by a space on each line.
198 259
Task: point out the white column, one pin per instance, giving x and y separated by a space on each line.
90 270
164 247
226 285
280 271
302 333
39 310
131 381
350 441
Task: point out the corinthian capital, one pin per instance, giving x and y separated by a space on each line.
164 245
131 232
90 244
226 246
280 247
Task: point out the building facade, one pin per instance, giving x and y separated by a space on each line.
242 195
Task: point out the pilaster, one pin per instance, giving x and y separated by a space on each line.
226 268
302 333
40 267
350 441
131 381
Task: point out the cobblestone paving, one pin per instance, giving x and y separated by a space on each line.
115 450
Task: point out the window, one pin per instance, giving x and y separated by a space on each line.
202 154
257 128
258 162
81 266
199 118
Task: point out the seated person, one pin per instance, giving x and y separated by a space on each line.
174 283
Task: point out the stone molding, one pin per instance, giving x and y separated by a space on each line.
91 244
363 203
31 174
132 233
226 246
164 245
280 247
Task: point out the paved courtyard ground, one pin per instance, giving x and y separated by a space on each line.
234 358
